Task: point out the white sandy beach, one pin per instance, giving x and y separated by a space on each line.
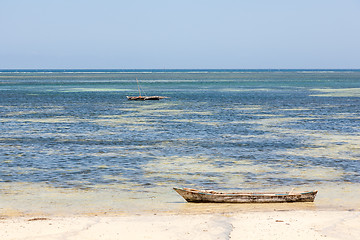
245 225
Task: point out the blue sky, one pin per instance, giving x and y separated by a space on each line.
179 34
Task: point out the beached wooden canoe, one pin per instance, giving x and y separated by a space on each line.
209 196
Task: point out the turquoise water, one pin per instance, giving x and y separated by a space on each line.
75 131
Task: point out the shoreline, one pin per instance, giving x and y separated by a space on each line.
29 200
178 208
275 224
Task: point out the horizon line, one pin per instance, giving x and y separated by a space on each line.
169 69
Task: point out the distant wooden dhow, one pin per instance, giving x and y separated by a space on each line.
143 98
209 196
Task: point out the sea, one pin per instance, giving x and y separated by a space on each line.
71 142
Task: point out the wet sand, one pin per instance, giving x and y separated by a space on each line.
28 213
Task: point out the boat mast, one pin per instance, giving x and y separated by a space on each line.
138 87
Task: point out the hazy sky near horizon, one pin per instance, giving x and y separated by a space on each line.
179 34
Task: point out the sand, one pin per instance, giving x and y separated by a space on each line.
240 225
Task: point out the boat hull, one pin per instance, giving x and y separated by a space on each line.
141 98
203 196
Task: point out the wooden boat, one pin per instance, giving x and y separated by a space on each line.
143 98
209 196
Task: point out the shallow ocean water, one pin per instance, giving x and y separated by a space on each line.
71 139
